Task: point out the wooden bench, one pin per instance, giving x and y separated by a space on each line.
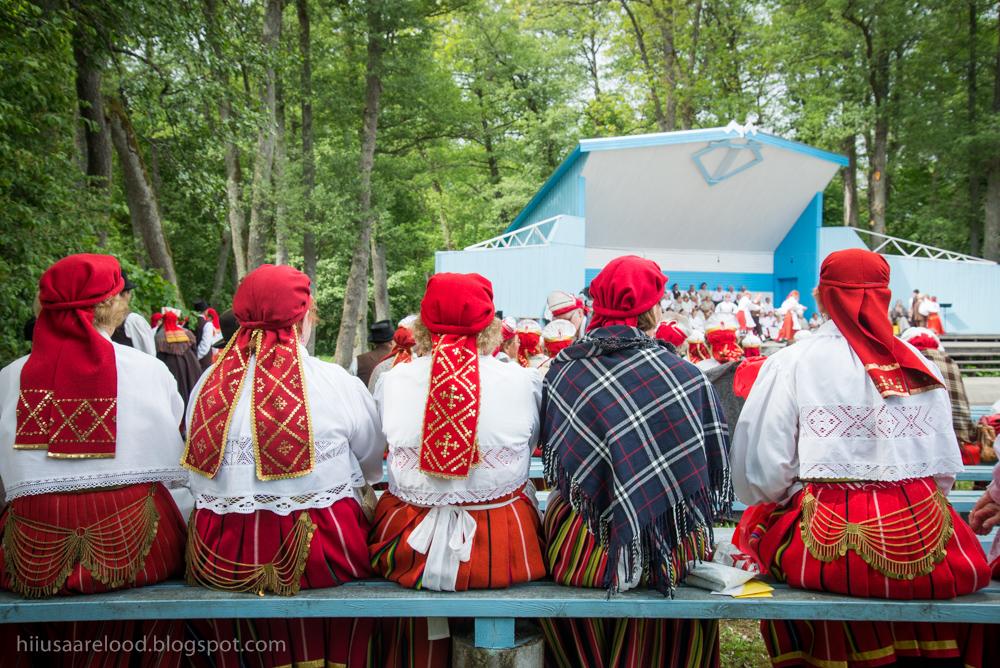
494 611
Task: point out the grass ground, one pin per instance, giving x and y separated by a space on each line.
741 645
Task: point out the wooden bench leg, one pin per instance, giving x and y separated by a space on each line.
495 632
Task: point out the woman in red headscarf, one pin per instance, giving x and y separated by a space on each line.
281 446
175 347
846 442
461 426
89 441
635 448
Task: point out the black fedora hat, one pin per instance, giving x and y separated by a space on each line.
381 331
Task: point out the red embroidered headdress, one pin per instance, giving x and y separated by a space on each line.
529 338
854 287
722 341
455 308
268 303
213 315
625 289
671 332
69 385
172 330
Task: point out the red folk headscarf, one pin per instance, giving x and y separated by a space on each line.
155 320
722 341
268 303
854 287
455 308
625 289
402 346
529 339
672 333
213 315
69 385
173 332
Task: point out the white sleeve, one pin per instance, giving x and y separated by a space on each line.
536 397
206 340
367 441
141 334
765 458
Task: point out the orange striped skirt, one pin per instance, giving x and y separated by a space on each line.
506 548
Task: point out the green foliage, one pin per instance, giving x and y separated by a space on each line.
481 99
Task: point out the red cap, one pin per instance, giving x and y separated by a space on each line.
671 332
457 304
626 288
271 297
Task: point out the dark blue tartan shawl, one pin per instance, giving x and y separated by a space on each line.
635 439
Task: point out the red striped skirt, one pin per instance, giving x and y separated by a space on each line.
85 543
266 552
890 540
506 550
577 559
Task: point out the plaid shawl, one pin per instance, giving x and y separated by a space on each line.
635 439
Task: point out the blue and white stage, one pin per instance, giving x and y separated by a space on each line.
730 206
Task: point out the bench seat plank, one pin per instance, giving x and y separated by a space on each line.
375 598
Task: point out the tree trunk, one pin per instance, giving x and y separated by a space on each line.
879 192
361 331
851 182
991 223
975 196
234 177
640 41
91 104
308 154
143 212
221 265
380 279
356 290
280 200
261 200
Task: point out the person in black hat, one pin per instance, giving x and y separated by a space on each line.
228 324
135 331
380 337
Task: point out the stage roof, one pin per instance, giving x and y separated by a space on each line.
729 188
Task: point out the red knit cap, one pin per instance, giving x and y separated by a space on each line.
625 289
457 304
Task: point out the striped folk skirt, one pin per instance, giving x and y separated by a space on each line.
576 559
89 542
506 549
265 552
889 540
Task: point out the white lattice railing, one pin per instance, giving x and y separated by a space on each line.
883 243
536 234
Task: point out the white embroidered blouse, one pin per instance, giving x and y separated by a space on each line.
346 433
508 431
148 442
814 414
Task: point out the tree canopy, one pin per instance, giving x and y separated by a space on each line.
195 139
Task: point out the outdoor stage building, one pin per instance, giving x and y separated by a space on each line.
725 206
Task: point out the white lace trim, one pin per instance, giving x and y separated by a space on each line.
842 421
407 458
94 481
281 505
239 451
502 470
875 471
432 498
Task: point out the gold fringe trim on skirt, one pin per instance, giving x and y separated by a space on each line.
113 549
901 545
282 575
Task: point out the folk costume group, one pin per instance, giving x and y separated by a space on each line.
845 445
